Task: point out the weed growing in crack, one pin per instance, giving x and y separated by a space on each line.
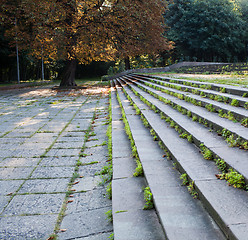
184 179
148 199
235 103
191 189
139 169
106 173
244 122
207 153
109 216
221 164
233 178
190 138
183 135
109 191
111 236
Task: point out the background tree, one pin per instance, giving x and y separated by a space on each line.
243 9
207 30
83 31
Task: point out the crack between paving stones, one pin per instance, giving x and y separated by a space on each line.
237 224
90 209
89 235
206 180
122 178
25 179
27 214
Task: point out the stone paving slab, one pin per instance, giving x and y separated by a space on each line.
43 137
60 144
97 151
91 170
53 172
59 161
44 186
3 202
63 152
56 128
89 200
16 134
12 142
34 204
85 223
27 227
15 173
19 152
28 144
9 186
89 158
6 153
87 183
70 138
81 124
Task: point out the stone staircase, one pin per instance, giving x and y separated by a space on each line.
188 136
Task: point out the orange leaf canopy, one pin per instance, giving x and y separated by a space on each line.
86 30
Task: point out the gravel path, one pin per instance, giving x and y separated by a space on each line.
52 144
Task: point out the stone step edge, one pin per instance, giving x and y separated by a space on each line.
211 210
197 142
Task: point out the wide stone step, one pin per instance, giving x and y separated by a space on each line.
213 120
202 135
227 205
231 89
180 214
130 221
238 112
211 117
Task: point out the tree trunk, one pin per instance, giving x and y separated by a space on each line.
127 63
68 78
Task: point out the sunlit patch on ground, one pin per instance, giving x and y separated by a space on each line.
48 92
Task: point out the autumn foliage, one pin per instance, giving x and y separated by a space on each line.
83 31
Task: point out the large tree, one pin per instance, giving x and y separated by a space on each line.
82 31
206 29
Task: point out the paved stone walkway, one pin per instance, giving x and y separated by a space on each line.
52 144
